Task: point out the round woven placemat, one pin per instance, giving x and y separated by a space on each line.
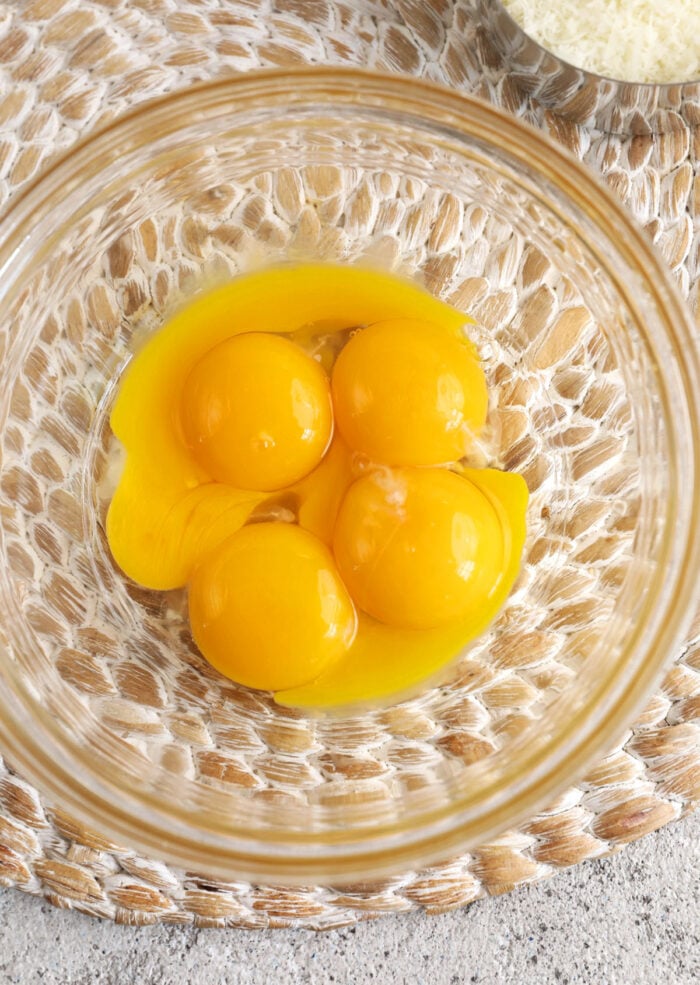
68 66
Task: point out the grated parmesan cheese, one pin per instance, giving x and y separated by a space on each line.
631 40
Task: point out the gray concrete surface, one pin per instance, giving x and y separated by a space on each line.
630 920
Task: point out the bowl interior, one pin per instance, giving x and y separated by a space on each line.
108 702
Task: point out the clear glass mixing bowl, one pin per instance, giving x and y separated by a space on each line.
104 702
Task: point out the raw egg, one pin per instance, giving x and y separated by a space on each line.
409 392
418 548
268 607
387 660
333 545
256 412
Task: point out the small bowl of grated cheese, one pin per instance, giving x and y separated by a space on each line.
623 66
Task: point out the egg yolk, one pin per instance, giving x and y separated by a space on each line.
256 412
418 548
268 609
321 562
409 392
387 660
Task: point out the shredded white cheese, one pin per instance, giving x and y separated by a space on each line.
632 40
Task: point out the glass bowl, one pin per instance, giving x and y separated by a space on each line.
585 98
104 702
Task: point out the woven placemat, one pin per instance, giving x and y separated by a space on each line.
68 66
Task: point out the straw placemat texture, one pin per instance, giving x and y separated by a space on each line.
68 66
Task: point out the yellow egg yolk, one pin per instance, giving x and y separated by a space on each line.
256 412
418 548
390 661
268 608
409 392
319 563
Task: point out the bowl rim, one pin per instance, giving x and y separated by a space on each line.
447 829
